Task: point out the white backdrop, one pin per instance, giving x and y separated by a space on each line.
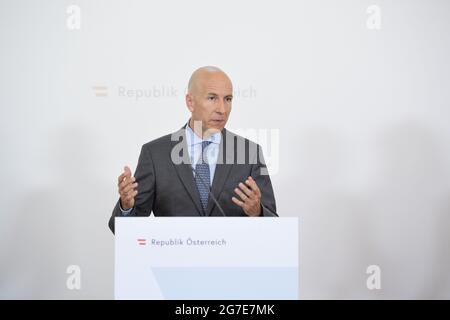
360 96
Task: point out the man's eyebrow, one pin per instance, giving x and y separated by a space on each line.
215 94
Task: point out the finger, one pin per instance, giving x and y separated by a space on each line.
240 194
238 202
129 187
248 192
127 171
252 184
131 195
125 194
125 174
120 178
126 182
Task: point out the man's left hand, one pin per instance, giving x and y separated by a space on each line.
250 197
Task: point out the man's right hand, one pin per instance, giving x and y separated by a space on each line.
127 186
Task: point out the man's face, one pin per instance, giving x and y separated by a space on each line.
210 100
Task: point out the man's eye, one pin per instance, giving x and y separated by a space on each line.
229 99
211 98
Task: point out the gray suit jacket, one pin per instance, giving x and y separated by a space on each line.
166 184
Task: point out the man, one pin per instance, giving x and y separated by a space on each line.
202 169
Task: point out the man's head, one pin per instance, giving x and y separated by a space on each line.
209 98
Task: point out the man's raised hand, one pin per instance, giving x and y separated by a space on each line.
127 189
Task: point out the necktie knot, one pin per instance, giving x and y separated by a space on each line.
205 144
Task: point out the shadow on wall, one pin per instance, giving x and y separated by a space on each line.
60 225
399 221
334 229
410 212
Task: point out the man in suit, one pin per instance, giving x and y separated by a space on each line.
202 169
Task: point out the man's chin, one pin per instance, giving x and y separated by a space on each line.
219 125
216 126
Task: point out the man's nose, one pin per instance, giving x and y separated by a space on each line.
221 107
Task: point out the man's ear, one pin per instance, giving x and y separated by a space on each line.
190 102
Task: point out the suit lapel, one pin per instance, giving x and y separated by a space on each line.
184 170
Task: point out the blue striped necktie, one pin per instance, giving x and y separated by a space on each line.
202 176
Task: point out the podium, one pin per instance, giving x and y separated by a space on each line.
206 258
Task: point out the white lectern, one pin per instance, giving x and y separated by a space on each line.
206 258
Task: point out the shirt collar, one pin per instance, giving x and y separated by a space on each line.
193 139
